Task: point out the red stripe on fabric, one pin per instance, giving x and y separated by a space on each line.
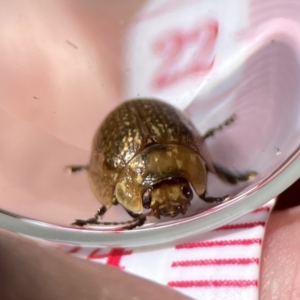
221 243
74 249
116 255
215 262
213 283
264 208
95 254
113 257
241 225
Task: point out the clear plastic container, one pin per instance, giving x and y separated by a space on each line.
66 64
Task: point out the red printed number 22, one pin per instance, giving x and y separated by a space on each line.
185 53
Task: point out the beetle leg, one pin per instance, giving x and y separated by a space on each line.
212 131
76 168
80 222
132 214
131 224
138 223
115 200
233 178
100 212
215 199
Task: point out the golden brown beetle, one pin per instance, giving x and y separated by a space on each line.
147 154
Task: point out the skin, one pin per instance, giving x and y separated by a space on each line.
55 275
280 276
281 260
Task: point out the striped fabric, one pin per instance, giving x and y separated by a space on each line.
222 262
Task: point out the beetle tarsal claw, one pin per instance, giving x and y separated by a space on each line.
252 175
225 198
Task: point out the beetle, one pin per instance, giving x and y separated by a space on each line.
148 155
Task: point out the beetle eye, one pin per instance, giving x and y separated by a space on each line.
187 192
146 200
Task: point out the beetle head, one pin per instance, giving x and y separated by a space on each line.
169 197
